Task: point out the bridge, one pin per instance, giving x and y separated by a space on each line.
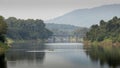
65 38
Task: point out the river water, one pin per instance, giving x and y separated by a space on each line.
55 55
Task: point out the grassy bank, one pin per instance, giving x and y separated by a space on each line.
3 47
27 41
103 43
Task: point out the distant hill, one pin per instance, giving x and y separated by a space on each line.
61 29
65 27
88 17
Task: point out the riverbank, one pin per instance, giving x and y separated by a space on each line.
104 55
27 41
102 43
3 47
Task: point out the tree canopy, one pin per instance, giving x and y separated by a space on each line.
3 29
105 30
20 29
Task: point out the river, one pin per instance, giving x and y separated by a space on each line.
54 55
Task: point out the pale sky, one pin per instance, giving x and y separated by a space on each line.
46 9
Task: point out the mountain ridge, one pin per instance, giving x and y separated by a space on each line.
88 17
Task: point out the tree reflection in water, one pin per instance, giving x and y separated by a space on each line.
105 55
3 63
18 52
22 55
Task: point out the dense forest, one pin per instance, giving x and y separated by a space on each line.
61 29
105 31
20 29
66 29
3 31
80 32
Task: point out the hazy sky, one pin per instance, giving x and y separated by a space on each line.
46 9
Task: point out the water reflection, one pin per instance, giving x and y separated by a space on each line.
105 55
60 55
3 63
17 55
27 55
22 55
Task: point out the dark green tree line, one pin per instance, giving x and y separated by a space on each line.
3 29
20 29
105 30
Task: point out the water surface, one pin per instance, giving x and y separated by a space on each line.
55 55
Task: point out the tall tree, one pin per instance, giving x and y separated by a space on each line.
3 29
19 29
105 30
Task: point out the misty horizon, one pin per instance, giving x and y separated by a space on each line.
46 10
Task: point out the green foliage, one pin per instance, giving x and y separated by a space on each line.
106 30
61 29
80 32
3 45
19 29
3 29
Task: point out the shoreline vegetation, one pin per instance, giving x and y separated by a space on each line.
3 31
13 30
105 43
27 29
106 34
3 47
18 31
27 41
